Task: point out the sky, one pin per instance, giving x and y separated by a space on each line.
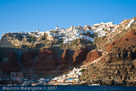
30 15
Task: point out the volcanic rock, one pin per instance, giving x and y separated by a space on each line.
93 55
10 63
128 40
64 60
45 61
80 55
28 58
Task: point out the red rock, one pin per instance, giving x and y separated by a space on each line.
93 55
79 56
125 41
64 58
65 55
45 53
11 64
28 58
45 61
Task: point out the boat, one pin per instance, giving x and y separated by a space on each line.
33 84
55 84
94 85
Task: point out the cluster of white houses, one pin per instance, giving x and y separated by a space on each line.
100 28
18 78
72 76
73 33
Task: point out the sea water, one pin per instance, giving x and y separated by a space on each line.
67 88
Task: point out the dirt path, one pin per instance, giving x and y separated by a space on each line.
96 60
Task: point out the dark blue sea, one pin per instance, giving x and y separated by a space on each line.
67 88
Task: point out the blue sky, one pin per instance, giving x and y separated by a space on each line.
29 15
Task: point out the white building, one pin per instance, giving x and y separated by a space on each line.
56 27
132 22
37 30
70 34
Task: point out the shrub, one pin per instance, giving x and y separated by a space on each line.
77 41
96 34
44 36
33 38
60 41
83 70
91 35
20 38
90 42
29 37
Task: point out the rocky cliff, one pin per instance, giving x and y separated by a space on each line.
118 33
80 55
111 71
119 65
92 55
65 61
115 68
9 63
46 59
28 59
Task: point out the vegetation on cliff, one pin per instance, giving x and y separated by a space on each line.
118 67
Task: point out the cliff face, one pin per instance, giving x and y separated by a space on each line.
28 59
126 41
9 63
92 55
115 72
118 33
13 59
65 61
119 66
45 61
12 40
80 55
